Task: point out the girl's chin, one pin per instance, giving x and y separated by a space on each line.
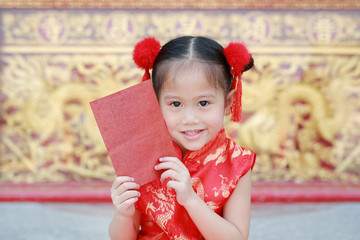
186 147
190 148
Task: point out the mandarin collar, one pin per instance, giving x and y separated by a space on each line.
192 159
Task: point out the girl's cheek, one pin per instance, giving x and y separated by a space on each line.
170 120
167 116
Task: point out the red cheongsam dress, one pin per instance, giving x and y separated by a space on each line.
215 170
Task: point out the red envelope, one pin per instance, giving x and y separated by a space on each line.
134 131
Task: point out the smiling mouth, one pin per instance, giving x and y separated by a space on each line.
192 133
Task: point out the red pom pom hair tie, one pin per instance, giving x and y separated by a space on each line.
145 53
239 60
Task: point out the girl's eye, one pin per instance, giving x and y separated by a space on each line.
203 103
175 104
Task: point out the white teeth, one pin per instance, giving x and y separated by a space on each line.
192 133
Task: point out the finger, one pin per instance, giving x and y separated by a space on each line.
170 162
170 159
126 195
120 180
172 174
129 202
168 165
126 186
172 184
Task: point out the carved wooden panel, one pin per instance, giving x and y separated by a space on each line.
301 101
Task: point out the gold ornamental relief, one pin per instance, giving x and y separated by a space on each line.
124 28
52 28
183 4
50 133
300 102
121 27
256 28
302 125
324 28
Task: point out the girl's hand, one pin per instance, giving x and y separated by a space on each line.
124 194
179 176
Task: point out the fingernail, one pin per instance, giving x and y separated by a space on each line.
132 179
156 167
161 159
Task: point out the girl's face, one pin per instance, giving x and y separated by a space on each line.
193 109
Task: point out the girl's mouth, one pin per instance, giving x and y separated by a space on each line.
192 134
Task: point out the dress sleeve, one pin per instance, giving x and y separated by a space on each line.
243 160
253 159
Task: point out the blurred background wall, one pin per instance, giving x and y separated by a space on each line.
301 102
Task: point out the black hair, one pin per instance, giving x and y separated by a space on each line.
205 51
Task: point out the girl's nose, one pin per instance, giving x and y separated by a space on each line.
190 117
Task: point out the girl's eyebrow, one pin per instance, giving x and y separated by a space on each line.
171 97
206 96
167 97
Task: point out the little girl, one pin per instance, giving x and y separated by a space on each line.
206 192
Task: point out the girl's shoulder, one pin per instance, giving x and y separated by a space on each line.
240 156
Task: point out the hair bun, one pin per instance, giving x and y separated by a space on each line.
250 65
238 57
145 52
240 60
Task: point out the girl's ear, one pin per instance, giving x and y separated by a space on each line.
228 101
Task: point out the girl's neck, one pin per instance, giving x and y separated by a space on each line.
183 153
220 137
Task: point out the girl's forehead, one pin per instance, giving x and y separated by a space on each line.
183 69
190 75
190 83
184 66
185 72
